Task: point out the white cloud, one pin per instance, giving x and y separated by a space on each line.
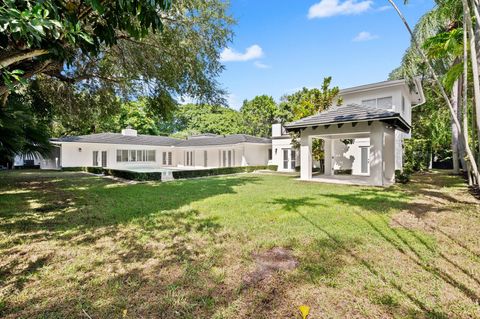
261 65
365 36
330 8
252 52
384 8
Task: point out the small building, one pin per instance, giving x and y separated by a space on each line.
362 138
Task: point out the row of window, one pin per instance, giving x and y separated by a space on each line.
226 158
380 103
135 155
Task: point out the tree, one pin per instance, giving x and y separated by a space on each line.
197 118
258 115
308 102
126 48
24 126
448 7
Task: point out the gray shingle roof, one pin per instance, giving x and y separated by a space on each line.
117 138
224 140
152 140
346 114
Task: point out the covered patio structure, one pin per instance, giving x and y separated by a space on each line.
359 144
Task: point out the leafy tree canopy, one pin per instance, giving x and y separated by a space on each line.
116 48
308 102
259 114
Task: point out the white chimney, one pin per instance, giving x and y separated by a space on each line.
129 131
277 130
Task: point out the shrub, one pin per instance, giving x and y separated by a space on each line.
219 171
157 176
402 177
136 176
272 168
418 154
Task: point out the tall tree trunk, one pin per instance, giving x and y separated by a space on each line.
466 165
440 86
460 116
473 57
455 130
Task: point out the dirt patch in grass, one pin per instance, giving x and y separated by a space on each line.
269 262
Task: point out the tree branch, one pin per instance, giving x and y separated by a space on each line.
21 56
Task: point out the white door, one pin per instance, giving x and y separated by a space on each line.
364 159
104 159
289 157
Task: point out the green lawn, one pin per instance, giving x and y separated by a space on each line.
73 244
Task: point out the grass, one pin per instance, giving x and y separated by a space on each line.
73 244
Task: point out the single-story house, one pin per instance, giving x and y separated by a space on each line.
131 151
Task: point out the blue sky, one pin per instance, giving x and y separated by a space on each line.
280 46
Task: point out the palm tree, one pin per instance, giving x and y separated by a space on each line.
451 5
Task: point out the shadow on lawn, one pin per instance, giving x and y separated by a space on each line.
379 202
80 203
158 251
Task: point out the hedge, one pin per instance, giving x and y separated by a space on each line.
157 176
221 171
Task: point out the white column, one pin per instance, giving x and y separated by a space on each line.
329 165
376 154
305 158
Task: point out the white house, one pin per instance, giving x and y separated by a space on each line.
131 151
363 138
362 142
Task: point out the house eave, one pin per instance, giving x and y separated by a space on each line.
404 126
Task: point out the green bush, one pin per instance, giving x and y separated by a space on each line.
418 154
272 168
74 169
157 176
220 171
135 176
402 177
94 170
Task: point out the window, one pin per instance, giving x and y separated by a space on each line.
124 155
285 158
292 159
364 161
381 103
167 158
403 104
104 158
95 158
135 155
370 103
269 154
385 103
189 158
205 158
151 156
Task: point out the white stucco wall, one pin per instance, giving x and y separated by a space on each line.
278 145
243 154
81 154
349 156
256 154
